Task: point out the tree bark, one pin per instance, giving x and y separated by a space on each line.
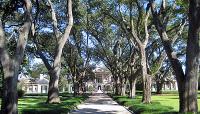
123 88
53 96
76 89
53 93
74 86
146 98
117 85
142 45
159 86
187 83
11 66
133 88
177 67
9 98
192 57
122 84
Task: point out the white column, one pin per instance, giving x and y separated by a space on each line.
39 88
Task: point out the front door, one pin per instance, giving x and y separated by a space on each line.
99 87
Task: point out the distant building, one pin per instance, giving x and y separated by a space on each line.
39 85
169 84
102 80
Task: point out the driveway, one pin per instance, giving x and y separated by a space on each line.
100 104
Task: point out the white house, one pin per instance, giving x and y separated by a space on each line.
102 80
38 85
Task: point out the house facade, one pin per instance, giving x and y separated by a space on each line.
102 81
38 85
168 84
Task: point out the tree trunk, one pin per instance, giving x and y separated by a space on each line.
122 85
159 87
9 99
81 87
2 89
146 98
73 81
192 57
123 90
175 63
53 93
133 88
11 65
75 85
76 88
117 91
177 67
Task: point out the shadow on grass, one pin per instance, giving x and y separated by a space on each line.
43 108
37 111
38 105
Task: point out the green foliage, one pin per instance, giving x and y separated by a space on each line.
91 88
154 67
20 93
37 69
108 88
182 3
63 79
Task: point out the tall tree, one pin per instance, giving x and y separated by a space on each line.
138 18
54 69
11 65
192 57
187 82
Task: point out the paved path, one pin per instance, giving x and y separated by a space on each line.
100 104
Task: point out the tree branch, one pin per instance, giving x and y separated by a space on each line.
62 41
4 56
54 19
24 32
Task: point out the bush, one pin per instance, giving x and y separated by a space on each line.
36 94
170 92
108 88
20 93
91 88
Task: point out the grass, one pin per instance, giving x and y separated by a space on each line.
37 105
161 104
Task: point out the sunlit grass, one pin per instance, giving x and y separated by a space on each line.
161 104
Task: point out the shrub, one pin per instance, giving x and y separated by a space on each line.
108 88
36 94
91 88
20 93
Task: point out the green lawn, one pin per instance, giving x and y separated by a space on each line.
36 105
161 104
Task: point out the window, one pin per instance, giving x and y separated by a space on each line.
31 89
